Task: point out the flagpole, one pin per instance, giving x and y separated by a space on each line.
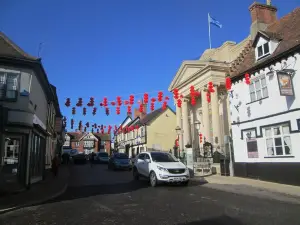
209 30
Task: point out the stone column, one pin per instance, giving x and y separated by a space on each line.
185 121
215 118
205 116
179 123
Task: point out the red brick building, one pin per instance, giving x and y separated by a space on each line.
88 142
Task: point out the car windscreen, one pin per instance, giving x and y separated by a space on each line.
121 156
104 154
162 157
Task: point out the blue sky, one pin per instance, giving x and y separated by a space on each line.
112 48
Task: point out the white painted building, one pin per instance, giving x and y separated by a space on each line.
265 114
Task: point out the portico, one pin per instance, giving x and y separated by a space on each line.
213 115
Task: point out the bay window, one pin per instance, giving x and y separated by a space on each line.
278 140
8 86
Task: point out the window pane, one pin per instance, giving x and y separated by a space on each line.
287 150
266 48
285 129
2 85
257 85
278 141
276 130
258 95
270 148
252 96
11 85
268 132
279 150
265 92
259 51
263 82
251 87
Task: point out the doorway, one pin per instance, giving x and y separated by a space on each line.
13 162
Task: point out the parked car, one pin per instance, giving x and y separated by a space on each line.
102 157
119 161
79 158
160 167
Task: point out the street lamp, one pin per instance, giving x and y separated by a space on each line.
197 124
178 130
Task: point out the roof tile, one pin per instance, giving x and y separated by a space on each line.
287 28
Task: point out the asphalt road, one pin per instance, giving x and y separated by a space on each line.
98 196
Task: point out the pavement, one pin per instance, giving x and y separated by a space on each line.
100 196
40 192
252 187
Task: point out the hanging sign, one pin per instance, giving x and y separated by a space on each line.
285 84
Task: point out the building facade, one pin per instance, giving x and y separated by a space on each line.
265 113
25 95
88 142
214 116
154 131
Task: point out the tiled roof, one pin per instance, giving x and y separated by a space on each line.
153 115
9 49
75 136
103 137
287 29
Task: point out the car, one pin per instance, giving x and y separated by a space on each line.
79 158
102 157
160 167
119 161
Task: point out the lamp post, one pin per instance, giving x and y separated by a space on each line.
179 132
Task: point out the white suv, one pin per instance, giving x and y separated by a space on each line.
160 167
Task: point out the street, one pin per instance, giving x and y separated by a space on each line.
99 196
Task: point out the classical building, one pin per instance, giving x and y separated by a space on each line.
266 111
28 105
88 142
213 66
154 131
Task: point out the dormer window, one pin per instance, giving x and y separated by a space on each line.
263 50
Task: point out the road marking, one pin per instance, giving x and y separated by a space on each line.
208 198
131 205
103 207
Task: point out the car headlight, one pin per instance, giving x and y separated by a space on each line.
162 169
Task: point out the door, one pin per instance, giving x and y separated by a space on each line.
140 164
146 164
13 164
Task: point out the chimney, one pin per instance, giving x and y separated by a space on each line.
137 112
261 16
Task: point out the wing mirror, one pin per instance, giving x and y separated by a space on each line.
147 160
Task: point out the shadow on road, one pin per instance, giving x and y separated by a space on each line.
93 190
222 220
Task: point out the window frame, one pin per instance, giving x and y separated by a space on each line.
282 135
77 144
263 50
260 89
17 91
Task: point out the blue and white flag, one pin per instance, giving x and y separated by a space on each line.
213 21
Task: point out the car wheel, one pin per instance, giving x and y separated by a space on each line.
153 179
135 174
185 183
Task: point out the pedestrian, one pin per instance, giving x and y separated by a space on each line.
92 158
55 165
66 158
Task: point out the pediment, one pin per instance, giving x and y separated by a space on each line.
187 70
